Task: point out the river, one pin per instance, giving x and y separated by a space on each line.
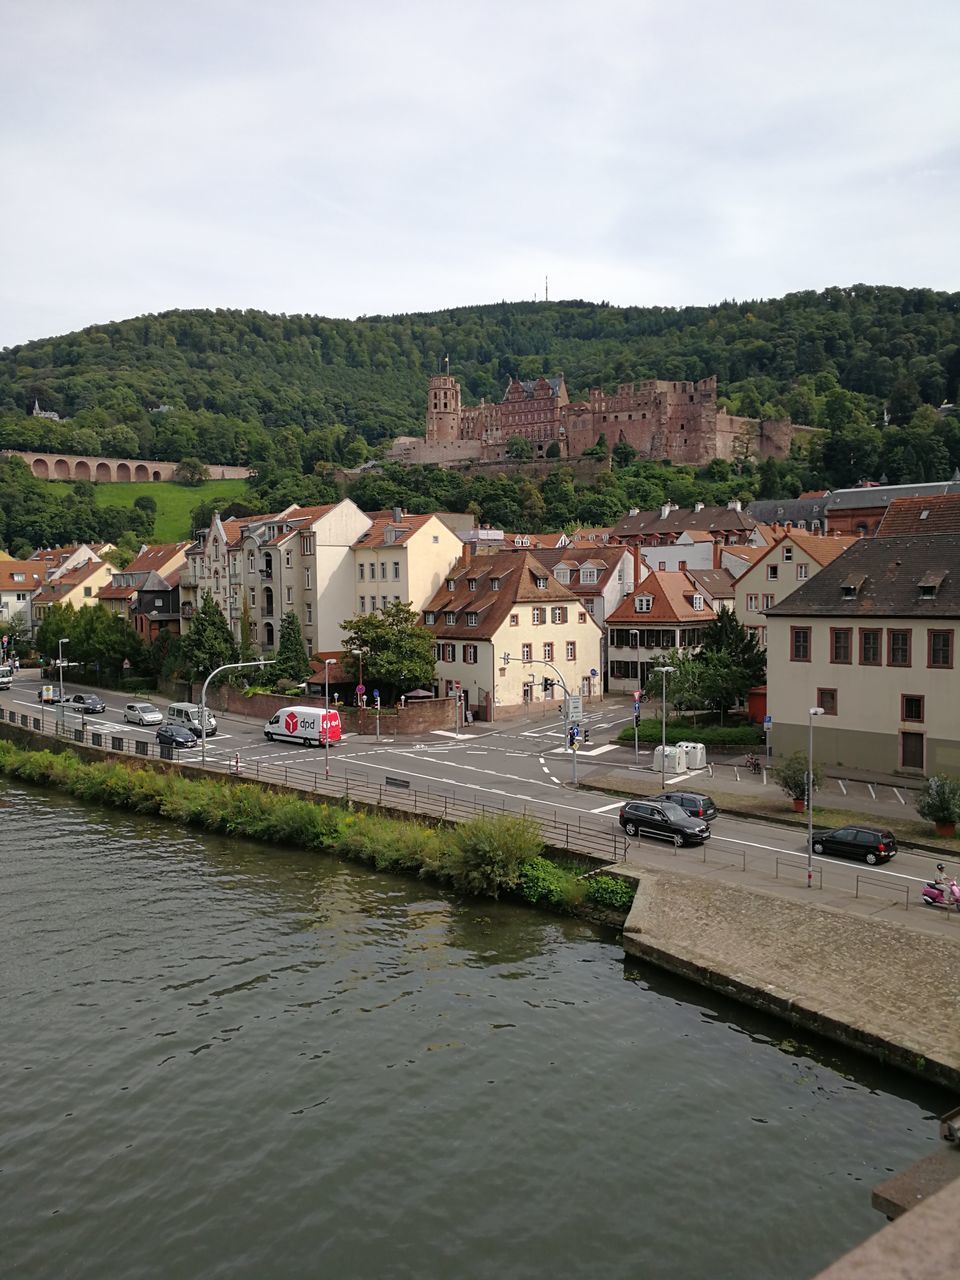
221 1060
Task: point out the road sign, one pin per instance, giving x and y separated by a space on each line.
636 707
576 744
575 706
361 690
376 694
126 664
636 695
575 730
768 722
456 685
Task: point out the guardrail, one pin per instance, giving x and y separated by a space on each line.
582 835
800 867
887 885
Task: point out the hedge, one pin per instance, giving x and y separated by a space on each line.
711 735
487 855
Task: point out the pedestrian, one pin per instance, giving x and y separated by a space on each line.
16 663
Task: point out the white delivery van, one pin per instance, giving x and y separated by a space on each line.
187 715
309 725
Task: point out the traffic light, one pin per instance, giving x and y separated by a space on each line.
636 720
573 737
586 734
548 684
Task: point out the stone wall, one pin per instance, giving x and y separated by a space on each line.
62 466
417 717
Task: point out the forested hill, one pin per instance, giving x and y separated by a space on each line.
228 379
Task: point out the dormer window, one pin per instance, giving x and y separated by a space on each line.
850 587
451 585
698 603
541 583
642 604
450 618
587 576
471 619
930 584
471 584
494 584
562 576
429 618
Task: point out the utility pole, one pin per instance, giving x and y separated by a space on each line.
542 662
227 666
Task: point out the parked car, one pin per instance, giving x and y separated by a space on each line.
52 696
142 713
869 844
664 821
88 703
6 679
175 735
695 803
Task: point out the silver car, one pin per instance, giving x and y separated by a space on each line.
142 713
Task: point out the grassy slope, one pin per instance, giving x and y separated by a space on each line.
174 501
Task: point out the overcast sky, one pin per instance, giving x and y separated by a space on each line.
399 155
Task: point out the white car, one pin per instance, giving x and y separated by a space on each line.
6 680
142 713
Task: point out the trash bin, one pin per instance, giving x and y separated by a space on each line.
668 759
696 754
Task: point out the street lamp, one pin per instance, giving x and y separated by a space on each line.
664 672
227 666
326 699
358 654
65 640
542 662
814 711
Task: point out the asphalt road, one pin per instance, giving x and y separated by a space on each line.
522 766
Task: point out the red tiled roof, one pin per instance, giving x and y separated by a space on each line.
937 514
33 575
672 594
515 572
53 591
403 529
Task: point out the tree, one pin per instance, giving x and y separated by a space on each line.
191 471
791 776
553 450
292 662
17 632
598 450
685 684
519 448
397 650
939 801
208 644
723 681
623 454
726 634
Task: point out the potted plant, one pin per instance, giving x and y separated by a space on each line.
791 776
939 803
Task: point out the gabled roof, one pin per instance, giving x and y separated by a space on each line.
515 573
672 593
822 550
33 575
718 584
151 557
386 531
939 513
883 577
678 520
881 495
53 591
604 559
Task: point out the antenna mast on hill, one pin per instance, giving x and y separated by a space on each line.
546 288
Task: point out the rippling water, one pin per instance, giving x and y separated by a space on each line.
221 1060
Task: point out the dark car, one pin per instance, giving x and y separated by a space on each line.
52 697
88 703
174 735
869 844
694 803
664 821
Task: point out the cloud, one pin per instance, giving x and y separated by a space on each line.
376 158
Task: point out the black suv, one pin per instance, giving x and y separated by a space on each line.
694 803
667 821
869 844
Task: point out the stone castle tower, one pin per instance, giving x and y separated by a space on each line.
443 409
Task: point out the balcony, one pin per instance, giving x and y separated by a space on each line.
266 575
266 611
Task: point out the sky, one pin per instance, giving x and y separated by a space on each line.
387 156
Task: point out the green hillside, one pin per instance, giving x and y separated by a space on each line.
174 501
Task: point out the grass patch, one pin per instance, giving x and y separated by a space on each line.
779 809
174 501
711 735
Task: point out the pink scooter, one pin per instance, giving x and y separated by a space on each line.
934 896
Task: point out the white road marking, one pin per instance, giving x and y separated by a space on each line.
607 807
819 857
556 780
446 733
898 795
594 751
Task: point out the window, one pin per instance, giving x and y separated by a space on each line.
641 604
396 570
581 617
898 648
289 595
526 652
768 601
841 644
911 707
470 654
571 650
18 577
558 613
494 584
360 568
802 572
698 603
562 575
548 651
773 572
787 554
383 569
588 575
537 617
309 612
870 647
682 565
541 583
251 561
471 619
661 566
286 560
827 699
451 585
436 539
753 603
88 591
253 597
309 646
306 579
449 652
363 604
514 619
940 649
429 618
396 599
799 644
450 619
471 584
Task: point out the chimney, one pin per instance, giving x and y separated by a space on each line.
397 514
697 506
718 553
665 510
734 505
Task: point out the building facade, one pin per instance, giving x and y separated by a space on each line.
793 559
19 581
402 559
666 611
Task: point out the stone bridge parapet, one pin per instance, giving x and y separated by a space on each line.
68 466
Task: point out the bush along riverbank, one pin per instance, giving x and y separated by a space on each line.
486 856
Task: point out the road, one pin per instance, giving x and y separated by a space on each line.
526 767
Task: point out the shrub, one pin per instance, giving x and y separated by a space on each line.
611 892
741 735
940 799
487 852
791 776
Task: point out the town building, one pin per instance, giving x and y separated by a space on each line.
806 512
60 560
509 603
730 525
937 514
872 639
859 511
19 580
155 606
401 559
78 587
665 611
717 586
162 559
794 558
676 421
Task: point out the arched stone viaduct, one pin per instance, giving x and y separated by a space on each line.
62 466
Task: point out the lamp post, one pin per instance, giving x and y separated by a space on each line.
542 662
326 702
664 672
61 643
814 711
358 654
227 666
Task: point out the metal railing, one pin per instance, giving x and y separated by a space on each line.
887 886
579 834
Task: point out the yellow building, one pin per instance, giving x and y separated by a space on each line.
793 559
402 558
78 587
